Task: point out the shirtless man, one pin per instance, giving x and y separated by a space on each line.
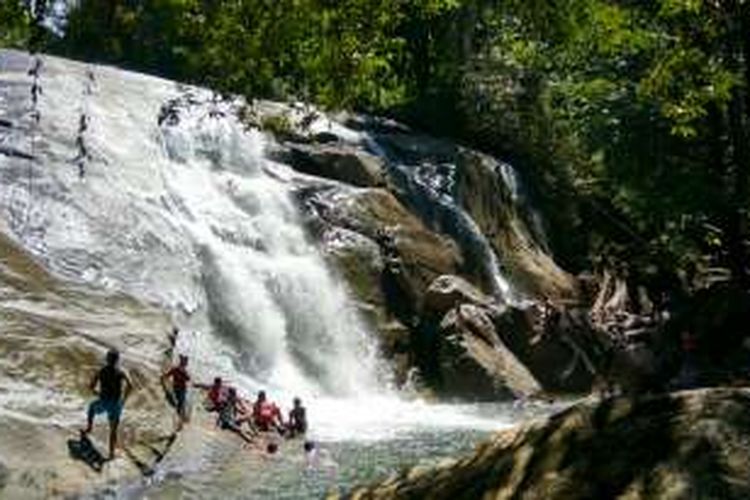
114 387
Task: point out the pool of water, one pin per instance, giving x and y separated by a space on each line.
207 463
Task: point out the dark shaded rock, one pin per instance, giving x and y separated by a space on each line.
555 345
339 162
474 363
374 124
684 445
325 138
417 148
15 153
4 476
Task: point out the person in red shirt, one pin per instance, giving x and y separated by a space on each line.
266 415
216 395
180 379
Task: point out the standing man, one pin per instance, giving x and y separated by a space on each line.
180 379
114 389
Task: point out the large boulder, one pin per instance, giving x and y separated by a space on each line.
474 363
554 345
447 291
674 446
336 161
554 342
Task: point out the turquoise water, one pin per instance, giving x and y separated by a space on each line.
216 465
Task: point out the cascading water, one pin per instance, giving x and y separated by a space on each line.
263 279
134 183
183 213
425 176
430 188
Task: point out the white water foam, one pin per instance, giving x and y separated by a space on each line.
185 215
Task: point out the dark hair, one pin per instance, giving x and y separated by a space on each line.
217 381
262 395
297 401
308 446
272 448
183 359
113 356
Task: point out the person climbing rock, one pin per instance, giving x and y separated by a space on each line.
114 388
83 123
297 423
266 415
35 69
180 379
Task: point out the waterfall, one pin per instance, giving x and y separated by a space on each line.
268 291
428 186
179 209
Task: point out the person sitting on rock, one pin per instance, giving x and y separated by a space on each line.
230 416
297 423
266 415
114 389
180 379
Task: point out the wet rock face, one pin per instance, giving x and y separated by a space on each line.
446 211
489 192
686 445
388 275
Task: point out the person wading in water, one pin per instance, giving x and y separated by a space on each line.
114 389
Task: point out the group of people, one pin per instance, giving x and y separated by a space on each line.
246 419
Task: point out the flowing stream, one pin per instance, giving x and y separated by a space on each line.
136 184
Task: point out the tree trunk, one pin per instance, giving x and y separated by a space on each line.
739 51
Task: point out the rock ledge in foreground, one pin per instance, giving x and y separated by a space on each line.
693 444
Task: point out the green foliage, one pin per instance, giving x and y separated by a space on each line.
278 125
15 22
350 53
629 117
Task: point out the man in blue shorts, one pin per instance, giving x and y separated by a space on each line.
114 389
